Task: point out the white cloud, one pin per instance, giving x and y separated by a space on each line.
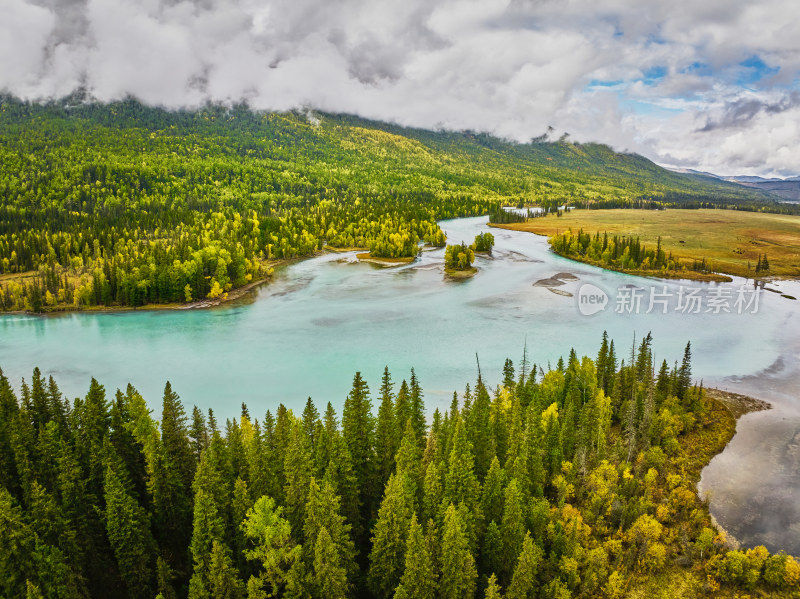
511 67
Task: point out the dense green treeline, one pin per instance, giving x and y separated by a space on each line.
627 252
121 204
571 482
624 252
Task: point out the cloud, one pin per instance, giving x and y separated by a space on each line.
707 84
741 112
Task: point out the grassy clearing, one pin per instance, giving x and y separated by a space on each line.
455 273
732 240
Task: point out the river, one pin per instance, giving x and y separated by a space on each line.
320 320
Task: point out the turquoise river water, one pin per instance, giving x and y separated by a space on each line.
320 320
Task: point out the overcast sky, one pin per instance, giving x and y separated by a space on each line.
707 84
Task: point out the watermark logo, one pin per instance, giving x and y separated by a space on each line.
662 299
591 299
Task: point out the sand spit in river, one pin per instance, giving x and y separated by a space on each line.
557 280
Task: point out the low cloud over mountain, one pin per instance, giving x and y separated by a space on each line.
712 85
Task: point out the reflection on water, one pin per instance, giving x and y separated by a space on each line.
321 320
754 485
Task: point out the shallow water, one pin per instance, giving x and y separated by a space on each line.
322 319
754 485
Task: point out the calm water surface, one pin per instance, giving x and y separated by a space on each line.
323 319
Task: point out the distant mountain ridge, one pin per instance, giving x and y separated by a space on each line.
443 163
752 179
788 189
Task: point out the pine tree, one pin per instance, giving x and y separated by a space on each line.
459 574
236 462
524 583
492 497
323 513
461 484
552 441
387 557
8 414
297 468
283 431
508 374
358 430
432 492
685 373
329 578
172 483
127 447
83 503
663 386
270 545
499 419
516 432
419 575
257 459
17 545
339 472
310 423
208 528
95 420
631 425
610 370
240 505
128 529
272 459
402 407
417 408
198 433
32 591
479 429
85 523
387 436
56 545
40 404
165 577
493 590
408 459
535 472
223 579
600 363
512 528
492 549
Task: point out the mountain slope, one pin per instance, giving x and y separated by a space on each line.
786 189
123 204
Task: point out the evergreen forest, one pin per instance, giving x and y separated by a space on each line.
123 205
574 481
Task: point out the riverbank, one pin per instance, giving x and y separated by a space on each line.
736 405
686 275
732 241
460 275
698 448
386 262
268 267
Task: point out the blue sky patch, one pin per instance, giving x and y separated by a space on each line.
754 69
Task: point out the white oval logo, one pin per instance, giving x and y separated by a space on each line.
591 299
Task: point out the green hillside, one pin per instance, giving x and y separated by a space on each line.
125 205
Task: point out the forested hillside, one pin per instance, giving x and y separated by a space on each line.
125 205
567 483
